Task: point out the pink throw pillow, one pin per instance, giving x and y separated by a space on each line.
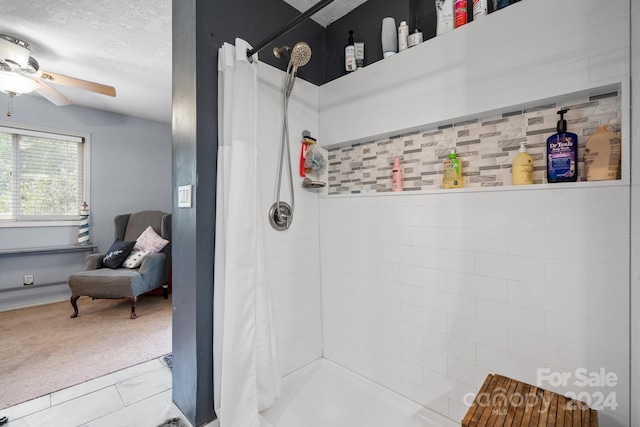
150 241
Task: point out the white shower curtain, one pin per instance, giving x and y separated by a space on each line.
246 370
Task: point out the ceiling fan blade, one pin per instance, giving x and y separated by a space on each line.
52 95
78 83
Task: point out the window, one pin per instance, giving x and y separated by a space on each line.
41 175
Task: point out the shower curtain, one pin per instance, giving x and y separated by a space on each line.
246 370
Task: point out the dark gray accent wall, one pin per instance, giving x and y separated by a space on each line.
194 130
366 23
255 20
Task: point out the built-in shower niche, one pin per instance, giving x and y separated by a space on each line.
487 144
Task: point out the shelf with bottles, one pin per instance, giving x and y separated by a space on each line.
487 145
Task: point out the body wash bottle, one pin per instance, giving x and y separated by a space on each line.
452 172
444 10
396 176
350 54
522 167
562 153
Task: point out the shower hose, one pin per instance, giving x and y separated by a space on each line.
289 81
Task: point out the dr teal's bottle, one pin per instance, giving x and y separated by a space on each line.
562 153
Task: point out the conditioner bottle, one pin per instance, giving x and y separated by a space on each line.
562 153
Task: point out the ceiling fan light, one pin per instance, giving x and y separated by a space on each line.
11 82
13 52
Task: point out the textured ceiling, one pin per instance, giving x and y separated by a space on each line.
329 14
121 43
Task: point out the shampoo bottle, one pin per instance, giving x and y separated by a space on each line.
403 36
602 155
460 13
444 10
562 153
452 172
350 54
522 167
396 176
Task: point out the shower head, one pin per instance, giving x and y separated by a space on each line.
299 55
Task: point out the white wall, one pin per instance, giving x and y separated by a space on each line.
427 293
294 259
130 171
635 217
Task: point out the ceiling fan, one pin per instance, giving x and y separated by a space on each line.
20 73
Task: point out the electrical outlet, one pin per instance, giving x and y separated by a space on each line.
27 279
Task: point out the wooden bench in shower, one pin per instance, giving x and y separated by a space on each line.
503 401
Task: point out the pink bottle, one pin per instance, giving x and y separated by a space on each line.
396 176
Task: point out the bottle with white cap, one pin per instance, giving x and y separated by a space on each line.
403 36
522 167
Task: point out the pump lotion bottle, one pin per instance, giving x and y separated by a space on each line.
562 153
522 167
350 55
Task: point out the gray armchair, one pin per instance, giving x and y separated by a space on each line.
98 282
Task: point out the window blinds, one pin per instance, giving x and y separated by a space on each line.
41 175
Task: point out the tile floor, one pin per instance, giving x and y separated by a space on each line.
138 396
321 394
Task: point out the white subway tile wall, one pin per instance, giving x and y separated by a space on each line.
474 246
487 148
293 255
424 308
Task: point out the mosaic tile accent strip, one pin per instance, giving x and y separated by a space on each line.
487 148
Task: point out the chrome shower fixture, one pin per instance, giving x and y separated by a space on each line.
281 213
278 51
299 55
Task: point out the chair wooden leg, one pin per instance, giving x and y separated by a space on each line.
74 304
134 301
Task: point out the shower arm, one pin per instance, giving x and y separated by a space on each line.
290 26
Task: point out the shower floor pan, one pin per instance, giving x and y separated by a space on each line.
324 394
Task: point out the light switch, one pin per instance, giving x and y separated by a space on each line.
184 196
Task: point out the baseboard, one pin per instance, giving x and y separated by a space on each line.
31 297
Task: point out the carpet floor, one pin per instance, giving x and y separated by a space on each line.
42 350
